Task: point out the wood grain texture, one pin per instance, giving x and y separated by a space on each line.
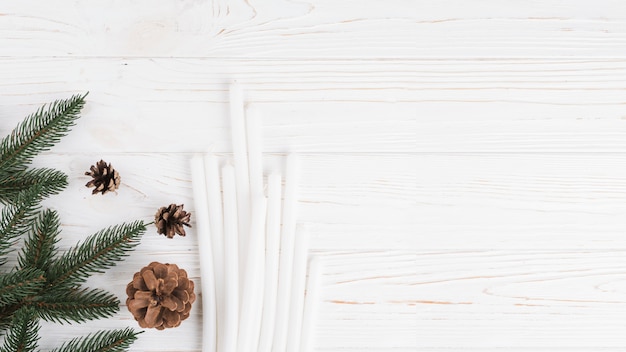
313 29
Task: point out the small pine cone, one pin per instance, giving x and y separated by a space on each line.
171 219
160 296
105 178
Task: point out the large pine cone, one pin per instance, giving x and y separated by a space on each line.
170 220
160 296
105 178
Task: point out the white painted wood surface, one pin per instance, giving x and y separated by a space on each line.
463 163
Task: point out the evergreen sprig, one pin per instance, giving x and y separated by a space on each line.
76 306
49 181
97 253
102 341
23 335
18 285
40 247
16 218
45 284
39 132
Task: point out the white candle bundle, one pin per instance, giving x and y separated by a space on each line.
257 304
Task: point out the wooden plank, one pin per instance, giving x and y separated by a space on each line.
395 201
332 106
517 201
178 105
313 29
520 299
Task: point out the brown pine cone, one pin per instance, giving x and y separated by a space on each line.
105 178
170 220
160 296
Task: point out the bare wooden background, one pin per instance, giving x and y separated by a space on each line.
464 162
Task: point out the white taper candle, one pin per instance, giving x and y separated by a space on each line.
252 290
231 262
298 286
255 151
214 193
311 304
238 134
205 253
272 250
286 255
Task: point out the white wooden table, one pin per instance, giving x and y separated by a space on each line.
464 163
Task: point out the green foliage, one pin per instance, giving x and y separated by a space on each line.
16 219
17 286
23 334
39 248
49 181
39 132
97 253
45 284
103 341
75 306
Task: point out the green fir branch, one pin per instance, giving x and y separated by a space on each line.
44 285
97 253
39 132
50 181
18 285
15 219
75 306
40 247
101 341
23 334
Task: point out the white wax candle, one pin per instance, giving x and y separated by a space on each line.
286 255
298 285
231 262
252 290
255 151
206 255
214 193
311 304
238 134
272 250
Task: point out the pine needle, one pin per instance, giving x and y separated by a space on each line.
39 249
20 284
39 132
15 219
97 253
11 184
23 334
101 341
76 306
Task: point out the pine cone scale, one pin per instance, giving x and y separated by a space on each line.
181 295
150 280
172 319
153 315
137 304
